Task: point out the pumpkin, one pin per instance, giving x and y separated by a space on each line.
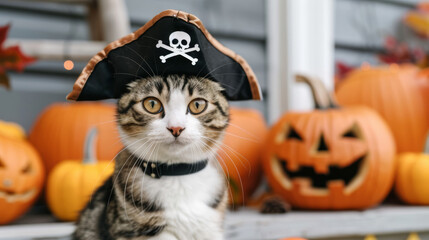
330 158
60 131
13 130
71 183
393 91
21 177
412 177
423 85
241 152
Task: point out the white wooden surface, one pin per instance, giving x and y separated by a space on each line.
249 225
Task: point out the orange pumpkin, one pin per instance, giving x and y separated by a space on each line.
394 93
71 183
423 85
240 153
412 177
60 131
330 158
21 177
11 129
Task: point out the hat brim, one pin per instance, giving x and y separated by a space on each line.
136 56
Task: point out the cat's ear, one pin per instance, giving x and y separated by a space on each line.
173 42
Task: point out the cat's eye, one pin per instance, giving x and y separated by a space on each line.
152 105
197 106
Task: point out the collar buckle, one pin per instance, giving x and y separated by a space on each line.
151 169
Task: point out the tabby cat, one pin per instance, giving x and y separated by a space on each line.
167 183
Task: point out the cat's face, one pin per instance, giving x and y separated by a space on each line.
172 118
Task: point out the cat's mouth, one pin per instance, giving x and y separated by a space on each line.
180 141
15 197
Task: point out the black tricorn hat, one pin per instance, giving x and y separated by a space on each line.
173 42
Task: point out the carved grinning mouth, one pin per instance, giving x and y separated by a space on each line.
12 197
320 180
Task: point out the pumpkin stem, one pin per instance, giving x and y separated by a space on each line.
322 98
89 150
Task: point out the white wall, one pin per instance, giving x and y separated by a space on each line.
300 41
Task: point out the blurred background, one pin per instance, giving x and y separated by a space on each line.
345 31
44 45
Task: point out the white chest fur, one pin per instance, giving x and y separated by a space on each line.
186 201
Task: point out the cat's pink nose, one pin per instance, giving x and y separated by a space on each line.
176 131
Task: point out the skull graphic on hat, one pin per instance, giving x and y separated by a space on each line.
179 42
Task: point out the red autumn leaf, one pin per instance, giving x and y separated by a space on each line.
396 52
11 58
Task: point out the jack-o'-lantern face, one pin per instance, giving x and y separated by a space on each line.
320 164
21 177
331 159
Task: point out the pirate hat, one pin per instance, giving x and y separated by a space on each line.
173 42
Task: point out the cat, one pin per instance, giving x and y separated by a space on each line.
164 121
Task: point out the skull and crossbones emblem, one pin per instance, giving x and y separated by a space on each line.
179 42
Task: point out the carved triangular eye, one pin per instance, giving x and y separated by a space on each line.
350 134
353 132
27 168
292 134
2 164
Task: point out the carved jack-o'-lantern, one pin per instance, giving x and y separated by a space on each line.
330 158
21 177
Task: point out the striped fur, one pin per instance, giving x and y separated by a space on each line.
131 205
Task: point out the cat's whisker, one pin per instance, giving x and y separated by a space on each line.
126 182
216 68
117 175
221 162
238 156
223 167
233 163
129 174
237 136
143 156
139 161
238 175
247 132
243 130
119 171
142 58
132 60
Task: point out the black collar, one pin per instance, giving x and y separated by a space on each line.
157 170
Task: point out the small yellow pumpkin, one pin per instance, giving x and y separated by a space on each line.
71 183
412 177
11 130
